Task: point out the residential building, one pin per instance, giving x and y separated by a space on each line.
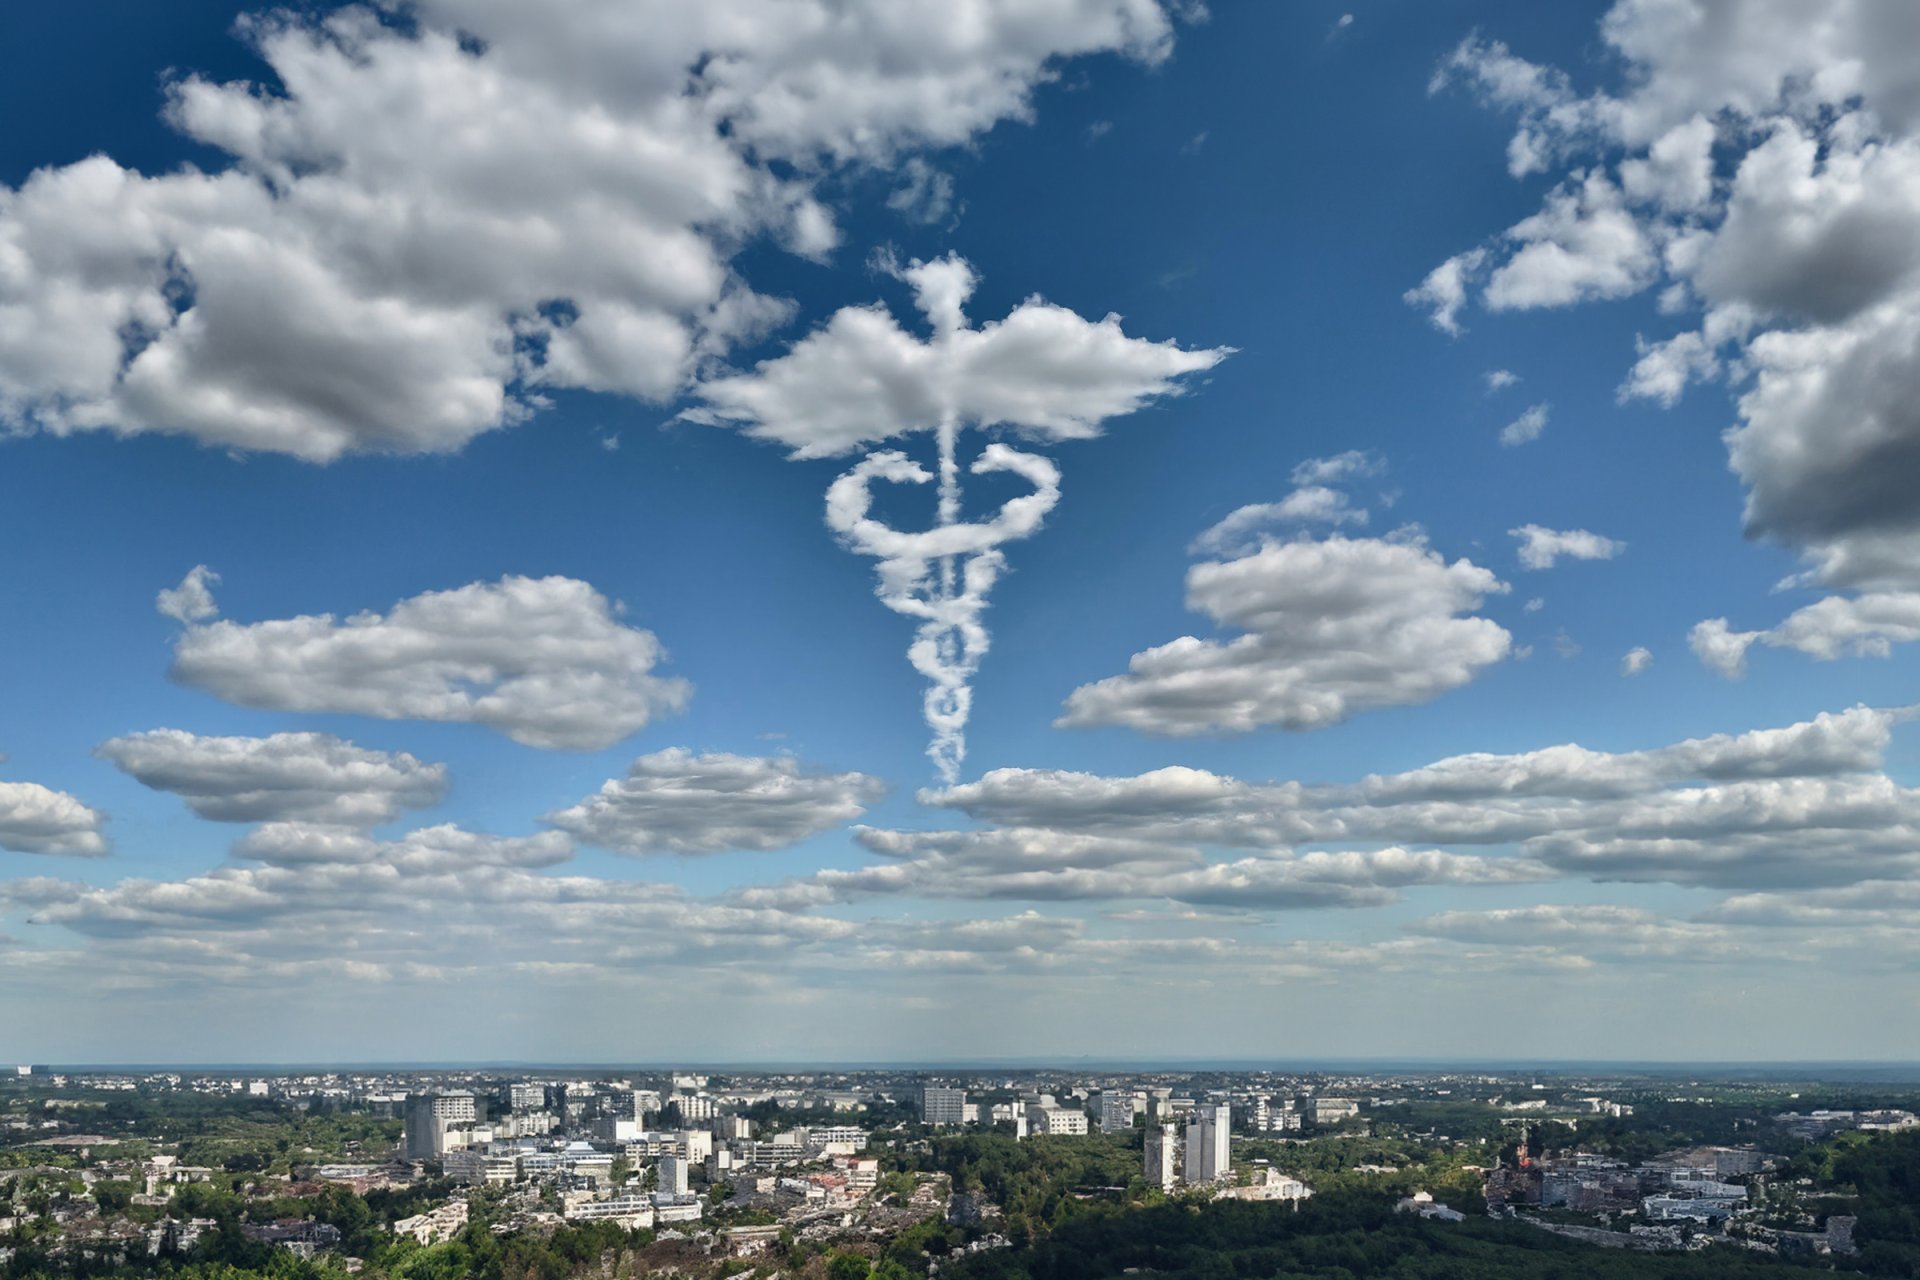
475 1168
627 1211
942 1106
1056 1120
436 1225
1209 1139
429 1116
1162 1144
1117 1109
1334 1110
671 1175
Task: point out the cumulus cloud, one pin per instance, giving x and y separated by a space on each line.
1314 504
1541 547
1444 291
1766 173
1329 628
37 819
1584 244
309 777
475 206
1041 865
1867 625
444 849
1802 805
1499 379
1527 427
545 661
1636 661
192 600
676 802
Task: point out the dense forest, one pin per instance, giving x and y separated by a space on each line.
1345 1236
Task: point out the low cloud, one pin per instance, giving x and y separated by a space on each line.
677 802
1541 547
311 777
37 819
1329 628
545 661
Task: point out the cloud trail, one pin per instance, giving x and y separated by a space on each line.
1044 372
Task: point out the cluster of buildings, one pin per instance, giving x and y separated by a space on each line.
1699 1184
1119 1109
605 1151
1814 1125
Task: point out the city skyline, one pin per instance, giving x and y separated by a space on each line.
1090 531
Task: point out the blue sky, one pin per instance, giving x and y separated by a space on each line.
350 341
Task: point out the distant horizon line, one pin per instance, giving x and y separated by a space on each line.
1388 1065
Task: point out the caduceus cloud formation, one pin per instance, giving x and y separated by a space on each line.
1044 373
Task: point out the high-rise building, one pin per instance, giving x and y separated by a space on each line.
1161 1145
429 1116
672 1171
1209 1139
1116 1110
527 1097
942 1106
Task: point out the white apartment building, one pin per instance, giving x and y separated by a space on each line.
628 1211
1056 1121
836 1140
1209 1143
1162 1145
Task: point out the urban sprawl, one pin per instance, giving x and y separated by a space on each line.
777 1168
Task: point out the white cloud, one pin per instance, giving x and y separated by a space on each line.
676 802
1500 379
1330 627
1666 369
1312 505
1039 865
1044 372
441 850
1801 805
545 661
1768 174
1584 244
311 777
1354 464
1636 661
37 819
925 194
1867 625
1595 932
1540 547
480 203
1527 427
861 379
192 600
1444 291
